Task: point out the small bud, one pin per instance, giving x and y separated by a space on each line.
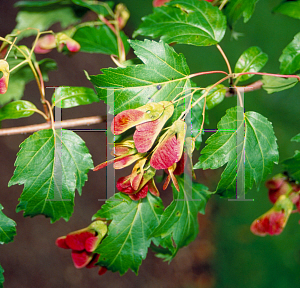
122 14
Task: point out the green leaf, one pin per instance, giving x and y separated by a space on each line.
1 277
99 40
128 234
20 77
292 165
7 233
185 22
179 220
98 7
51 173
290 57
67 97
290 8
197 119
35 4
252 60
17 109
7 228
43 18
215 96
258 143
162 77
166 249
275 84
237 8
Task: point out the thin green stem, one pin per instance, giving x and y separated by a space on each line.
117 62
17 66
184 91
238 93
89 24
39 112
37 38
225 58
210 88
51 115
223 4
206 73
203 119
13 43
235 75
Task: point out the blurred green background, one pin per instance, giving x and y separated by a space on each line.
242 259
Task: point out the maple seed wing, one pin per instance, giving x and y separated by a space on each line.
146 133
132 117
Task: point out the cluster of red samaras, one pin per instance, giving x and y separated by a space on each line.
149 151
83 244
284 194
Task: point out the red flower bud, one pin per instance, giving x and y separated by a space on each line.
122 14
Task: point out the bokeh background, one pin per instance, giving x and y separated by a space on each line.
225 253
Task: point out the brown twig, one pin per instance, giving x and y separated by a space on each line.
63 124
251 87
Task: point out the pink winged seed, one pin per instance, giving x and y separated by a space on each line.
126 120
81 258
145 135
76 240
3 85
166 154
